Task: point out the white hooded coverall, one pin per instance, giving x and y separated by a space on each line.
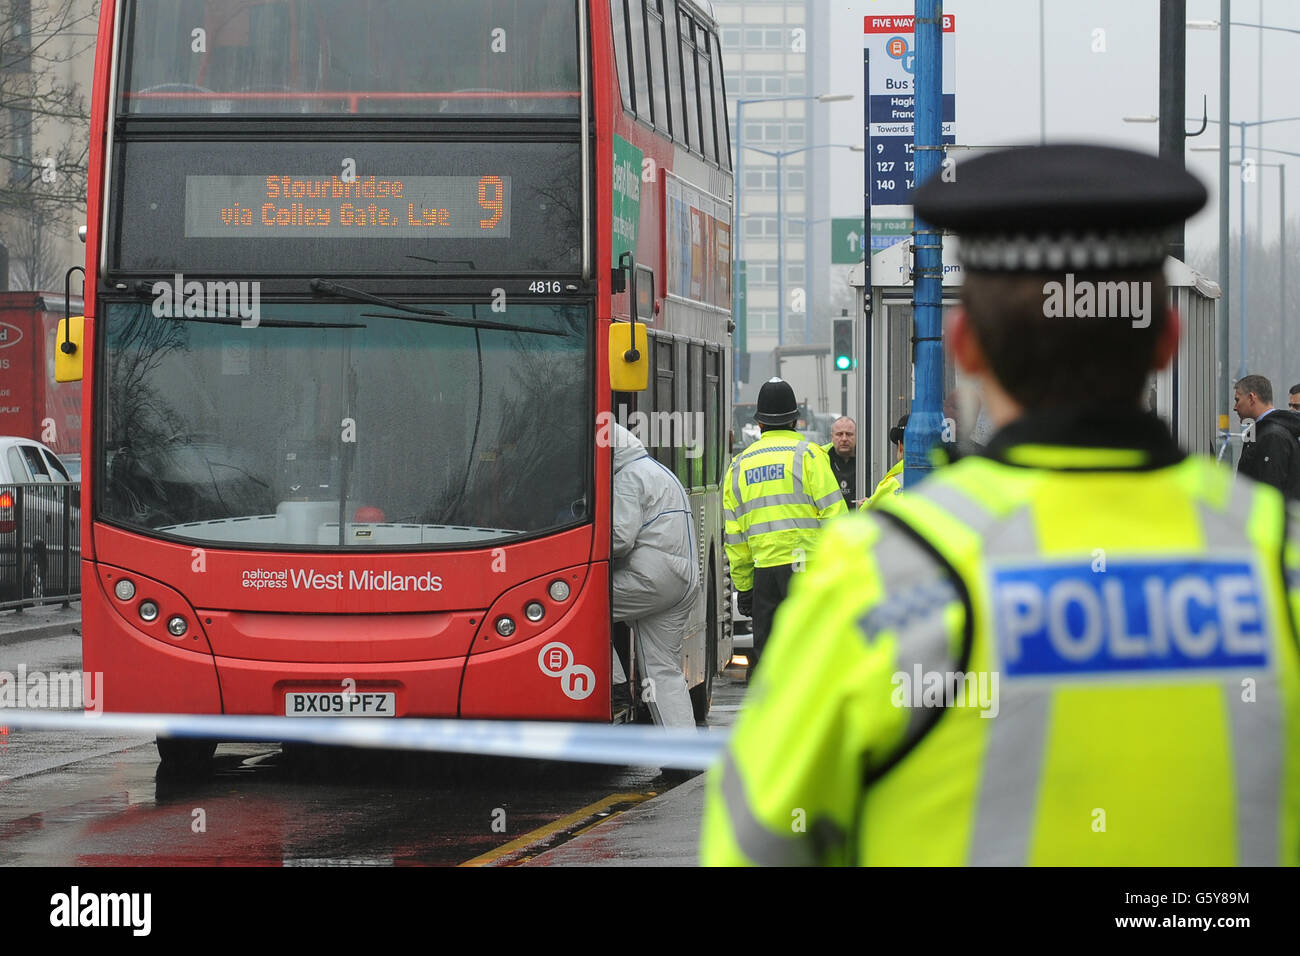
656 584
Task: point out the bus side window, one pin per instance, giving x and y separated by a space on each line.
673 52
640 75
690 96
675 433
694 418
704 84
659 428
720 108
618 17
712 409
654 24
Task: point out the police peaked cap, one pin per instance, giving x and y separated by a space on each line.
1061 207
776 404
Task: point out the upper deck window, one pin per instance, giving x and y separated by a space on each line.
322 57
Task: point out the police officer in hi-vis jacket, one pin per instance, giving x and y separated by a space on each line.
1076 648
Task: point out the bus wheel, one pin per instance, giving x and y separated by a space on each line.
185 756
702 694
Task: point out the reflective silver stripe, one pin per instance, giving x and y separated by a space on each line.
1256 761
766 501
1229 524
735 482
728 514
825 501
760 844
916 592
799 451
957 503
735 539
1009 778
750 453
784 524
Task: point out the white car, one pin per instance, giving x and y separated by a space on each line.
50 518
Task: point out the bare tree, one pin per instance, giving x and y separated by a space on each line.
32 242
44 128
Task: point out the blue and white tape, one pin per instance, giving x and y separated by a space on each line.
619 745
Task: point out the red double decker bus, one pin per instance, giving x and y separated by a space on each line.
352 269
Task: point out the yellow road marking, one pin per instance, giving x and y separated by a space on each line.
556 826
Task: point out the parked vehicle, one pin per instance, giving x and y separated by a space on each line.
40 523
31 402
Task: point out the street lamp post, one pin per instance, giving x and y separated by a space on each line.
1284 313
780 217
1225 73
1224 284
738 183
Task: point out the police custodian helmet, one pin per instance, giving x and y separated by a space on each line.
1063 206
776 404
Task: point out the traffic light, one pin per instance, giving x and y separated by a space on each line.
842 344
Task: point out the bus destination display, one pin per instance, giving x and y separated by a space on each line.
300 207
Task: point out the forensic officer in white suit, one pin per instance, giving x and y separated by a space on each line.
656 574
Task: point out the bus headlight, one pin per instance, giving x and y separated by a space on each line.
559 591
505 626
148 611
177 626
534 611
124 589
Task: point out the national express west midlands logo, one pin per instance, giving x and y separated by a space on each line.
578 681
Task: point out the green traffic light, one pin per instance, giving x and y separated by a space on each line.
842 362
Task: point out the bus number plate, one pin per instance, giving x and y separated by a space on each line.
298 704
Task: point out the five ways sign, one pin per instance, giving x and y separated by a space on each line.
891 104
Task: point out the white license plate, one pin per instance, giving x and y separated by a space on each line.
361 704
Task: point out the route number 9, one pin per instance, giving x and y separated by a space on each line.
492 196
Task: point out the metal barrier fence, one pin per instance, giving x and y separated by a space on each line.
40 544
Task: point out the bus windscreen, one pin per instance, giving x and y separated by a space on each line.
346 425
322 57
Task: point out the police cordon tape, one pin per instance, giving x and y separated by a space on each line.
539 740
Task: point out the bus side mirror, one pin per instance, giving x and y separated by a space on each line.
69 348
629 357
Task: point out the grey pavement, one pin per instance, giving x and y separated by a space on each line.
663 831
34 623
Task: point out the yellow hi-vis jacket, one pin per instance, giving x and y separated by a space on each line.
1060 654
891 484
776 495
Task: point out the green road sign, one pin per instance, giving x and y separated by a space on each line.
848 240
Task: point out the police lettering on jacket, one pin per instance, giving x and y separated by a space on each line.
1187 614
754 476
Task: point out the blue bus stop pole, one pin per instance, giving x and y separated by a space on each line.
926 420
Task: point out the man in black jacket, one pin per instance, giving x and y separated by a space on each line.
1271 453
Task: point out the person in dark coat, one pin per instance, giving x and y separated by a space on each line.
1270 451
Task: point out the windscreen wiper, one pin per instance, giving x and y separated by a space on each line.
435 316
358 295
270 323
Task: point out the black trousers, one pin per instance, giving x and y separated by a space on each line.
770 588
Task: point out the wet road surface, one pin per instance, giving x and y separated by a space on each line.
95 802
